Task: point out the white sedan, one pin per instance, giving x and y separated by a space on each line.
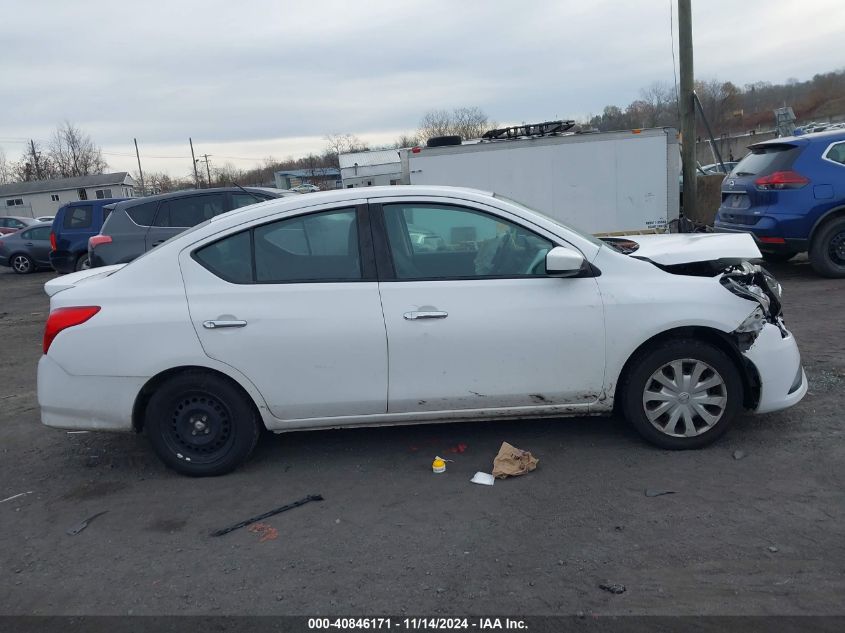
324 311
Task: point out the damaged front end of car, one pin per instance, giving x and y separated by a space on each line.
755 283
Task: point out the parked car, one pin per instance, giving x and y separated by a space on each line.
26 250
11 223
74 223
789 193
305 187
716 168
321 311
135 226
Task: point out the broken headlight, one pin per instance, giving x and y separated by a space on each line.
753 323
749 291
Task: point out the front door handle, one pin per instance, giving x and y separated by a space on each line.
213 325
413 316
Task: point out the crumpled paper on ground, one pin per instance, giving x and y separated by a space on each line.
512 461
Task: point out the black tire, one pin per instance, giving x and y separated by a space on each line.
82 262
22 263
780 257
649 362
827 250
442 141
201 425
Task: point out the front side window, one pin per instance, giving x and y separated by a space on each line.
189 211
312 248
78 217
430 241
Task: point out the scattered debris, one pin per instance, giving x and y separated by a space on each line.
459 448
20 494
258 518
614 588
438 465
652 492
267 532
76 529
739 454
484 479
512 461
773 549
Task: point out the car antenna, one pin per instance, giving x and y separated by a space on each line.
249 193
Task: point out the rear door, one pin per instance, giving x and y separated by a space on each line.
179 214
293 304
37 241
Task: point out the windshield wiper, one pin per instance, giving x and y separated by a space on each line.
249 193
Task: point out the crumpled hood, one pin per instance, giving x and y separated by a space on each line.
686 248
64 282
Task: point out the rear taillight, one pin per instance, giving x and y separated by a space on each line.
781 180
63 318
52 241
96 240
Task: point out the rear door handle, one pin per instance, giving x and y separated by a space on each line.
213 325
413 316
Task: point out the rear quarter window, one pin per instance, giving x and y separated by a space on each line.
142 214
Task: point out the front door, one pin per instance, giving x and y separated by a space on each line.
473 322
294 305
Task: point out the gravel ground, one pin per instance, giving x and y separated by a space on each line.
760 535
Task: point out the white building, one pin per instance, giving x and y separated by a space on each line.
44 197
370 169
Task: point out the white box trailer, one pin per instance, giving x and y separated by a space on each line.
601 183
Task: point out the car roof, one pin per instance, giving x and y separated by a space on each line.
22 218
189 192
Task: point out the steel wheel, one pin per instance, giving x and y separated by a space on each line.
83 263
836 249
685 398
200 428
21 264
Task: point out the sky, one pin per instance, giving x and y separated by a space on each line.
253 79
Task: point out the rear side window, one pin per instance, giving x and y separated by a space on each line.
189 211
142 214
41 233
230 258
317 247
78 217
766 160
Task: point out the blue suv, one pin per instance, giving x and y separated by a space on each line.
74 223
789 193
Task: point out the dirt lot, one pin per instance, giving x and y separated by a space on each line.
764 534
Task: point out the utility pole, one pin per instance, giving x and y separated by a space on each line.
35 157
687 105
140 173
204 159
193 158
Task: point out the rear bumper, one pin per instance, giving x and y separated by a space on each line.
90 403
789 244
64 261
778 363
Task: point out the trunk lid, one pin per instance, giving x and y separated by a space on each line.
83 276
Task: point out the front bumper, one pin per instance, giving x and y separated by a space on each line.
778 363
90 403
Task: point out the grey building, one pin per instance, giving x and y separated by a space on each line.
44 197
370 168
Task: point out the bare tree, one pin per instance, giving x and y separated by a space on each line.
405 140
466 122
5 169
337 144
74 153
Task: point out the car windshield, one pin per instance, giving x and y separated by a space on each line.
590 238
766 159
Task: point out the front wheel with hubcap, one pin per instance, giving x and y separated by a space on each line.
682 394
22 264
827 250
200 424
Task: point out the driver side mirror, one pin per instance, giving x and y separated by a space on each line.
564 262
